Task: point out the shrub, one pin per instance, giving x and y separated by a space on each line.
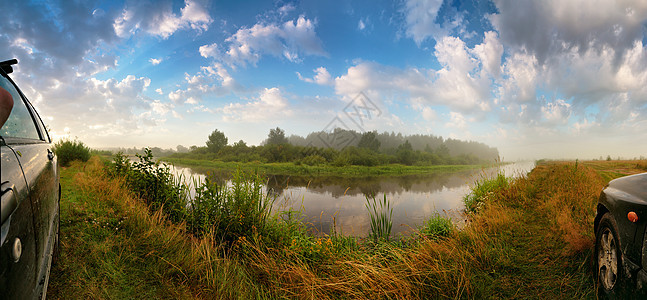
436 227
153 183
68 151
313 160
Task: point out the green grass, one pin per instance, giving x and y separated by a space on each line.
381 215
112 248
437 227
531 238
320 170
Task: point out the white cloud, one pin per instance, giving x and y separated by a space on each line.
556 113
155 61
290 40
361 25
521 79
159 91
421 19
461 84
212 80
429 114
286 9
322 77
270 105
158 18
457 120
489 53
207 51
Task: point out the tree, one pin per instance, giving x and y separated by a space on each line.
216 141
181 149
276 137
369 141
405 153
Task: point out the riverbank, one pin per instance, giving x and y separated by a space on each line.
531 238
320 170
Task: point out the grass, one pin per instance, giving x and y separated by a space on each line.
381 215
112 248
530 238
319 170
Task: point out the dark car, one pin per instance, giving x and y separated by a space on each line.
620 244
30 198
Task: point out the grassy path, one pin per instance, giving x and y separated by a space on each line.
103 254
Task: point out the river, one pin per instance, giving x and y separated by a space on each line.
326 201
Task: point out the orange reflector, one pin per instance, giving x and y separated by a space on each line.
632 216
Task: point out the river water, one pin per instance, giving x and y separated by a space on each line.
324 202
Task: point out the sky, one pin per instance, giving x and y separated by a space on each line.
552 79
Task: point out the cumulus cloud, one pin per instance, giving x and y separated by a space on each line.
55 48
421 19
207 51
212 80
556 113
545 28
290 40
321 77
157 18
462 83
270 105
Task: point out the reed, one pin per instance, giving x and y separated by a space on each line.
381 215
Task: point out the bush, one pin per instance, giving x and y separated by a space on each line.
313 160
436 227
153 183
68 151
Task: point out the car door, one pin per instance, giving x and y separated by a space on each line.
25 135
19 265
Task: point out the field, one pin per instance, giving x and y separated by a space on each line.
528 238
288 168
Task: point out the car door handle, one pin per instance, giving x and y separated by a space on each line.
9 201
50 154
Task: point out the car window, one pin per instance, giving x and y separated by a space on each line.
20 123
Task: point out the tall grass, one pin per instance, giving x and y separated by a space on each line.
381 215
154 183
437 227
483 191
528 237
230 212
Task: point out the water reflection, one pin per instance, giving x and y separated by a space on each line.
324 202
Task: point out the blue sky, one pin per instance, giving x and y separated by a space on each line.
536 79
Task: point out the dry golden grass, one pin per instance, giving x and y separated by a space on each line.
531 240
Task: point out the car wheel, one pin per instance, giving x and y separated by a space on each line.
608 258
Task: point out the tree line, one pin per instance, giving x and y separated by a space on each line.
345 147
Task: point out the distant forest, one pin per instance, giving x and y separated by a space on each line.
339 148
389 143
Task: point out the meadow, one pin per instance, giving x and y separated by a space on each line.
530 237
